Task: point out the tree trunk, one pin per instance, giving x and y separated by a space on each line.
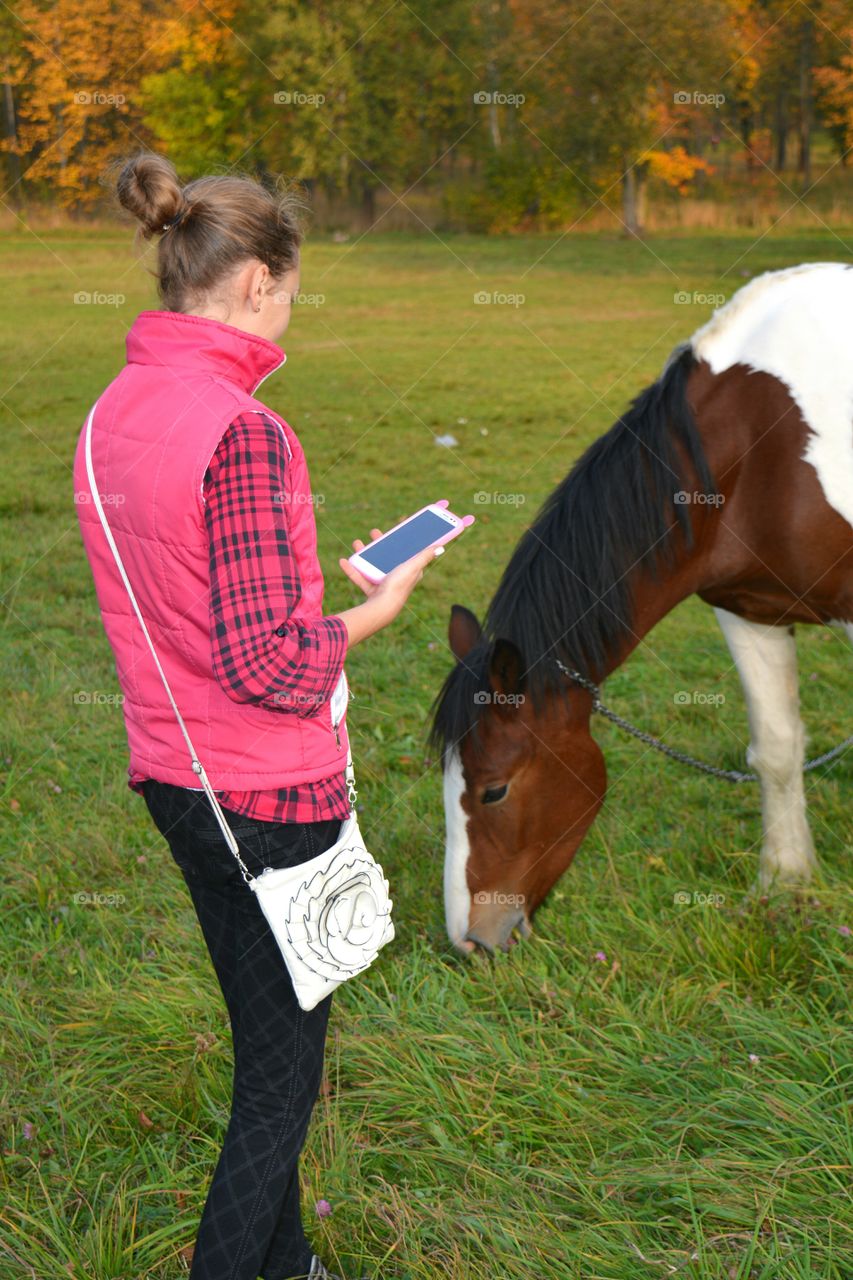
633 198
746 135
781 124
368 204
11 132
496 25
494 126
806 42
494 118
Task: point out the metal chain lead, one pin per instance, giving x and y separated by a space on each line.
729 775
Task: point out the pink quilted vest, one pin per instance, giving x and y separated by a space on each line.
154 431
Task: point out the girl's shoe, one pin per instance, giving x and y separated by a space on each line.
319 1272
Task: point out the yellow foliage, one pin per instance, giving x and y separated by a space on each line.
77 95
677 167
79 79
836 86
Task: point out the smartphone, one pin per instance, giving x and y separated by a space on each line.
431 526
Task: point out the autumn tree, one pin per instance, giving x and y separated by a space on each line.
616 84
13 67
834 76
77 78
207 101
366 101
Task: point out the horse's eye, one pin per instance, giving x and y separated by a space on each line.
492 794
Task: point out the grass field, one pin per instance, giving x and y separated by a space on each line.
679 1108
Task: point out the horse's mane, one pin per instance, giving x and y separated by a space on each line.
566 592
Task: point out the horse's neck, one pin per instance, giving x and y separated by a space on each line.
653 600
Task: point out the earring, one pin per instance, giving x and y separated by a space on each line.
258 307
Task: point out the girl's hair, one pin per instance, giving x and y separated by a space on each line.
208 227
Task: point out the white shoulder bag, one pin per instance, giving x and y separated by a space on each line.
331 915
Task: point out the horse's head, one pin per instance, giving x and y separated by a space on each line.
522 783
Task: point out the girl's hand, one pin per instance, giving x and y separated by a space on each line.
385 599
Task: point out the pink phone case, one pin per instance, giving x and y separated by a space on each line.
376 575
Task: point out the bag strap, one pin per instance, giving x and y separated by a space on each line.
198 767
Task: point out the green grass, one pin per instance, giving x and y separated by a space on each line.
541 1114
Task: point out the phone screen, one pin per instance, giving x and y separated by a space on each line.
406 542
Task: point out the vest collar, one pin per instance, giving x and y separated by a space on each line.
202 345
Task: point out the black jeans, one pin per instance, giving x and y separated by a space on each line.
251 1224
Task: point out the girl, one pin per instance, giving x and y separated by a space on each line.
209 502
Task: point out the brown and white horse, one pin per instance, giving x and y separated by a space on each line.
730 477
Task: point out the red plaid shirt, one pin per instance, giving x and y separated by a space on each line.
258 653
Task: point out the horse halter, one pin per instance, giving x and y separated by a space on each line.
583 681
728 775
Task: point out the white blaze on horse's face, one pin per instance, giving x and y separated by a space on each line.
457 899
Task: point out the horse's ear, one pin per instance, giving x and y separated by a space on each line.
463 632
506 669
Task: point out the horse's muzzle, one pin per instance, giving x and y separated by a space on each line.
493 928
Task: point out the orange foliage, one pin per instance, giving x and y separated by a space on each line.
676 167
79 76
835 84
78 81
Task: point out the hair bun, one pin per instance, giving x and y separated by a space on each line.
181 216
148 187
235 219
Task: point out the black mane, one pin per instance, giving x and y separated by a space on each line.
566 592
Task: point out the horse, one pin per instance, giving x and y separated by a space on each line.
730 477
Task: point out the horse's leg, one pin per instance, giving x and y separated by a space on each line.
766 659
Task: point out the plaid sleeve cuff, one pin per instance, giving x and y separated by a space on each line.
321 650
